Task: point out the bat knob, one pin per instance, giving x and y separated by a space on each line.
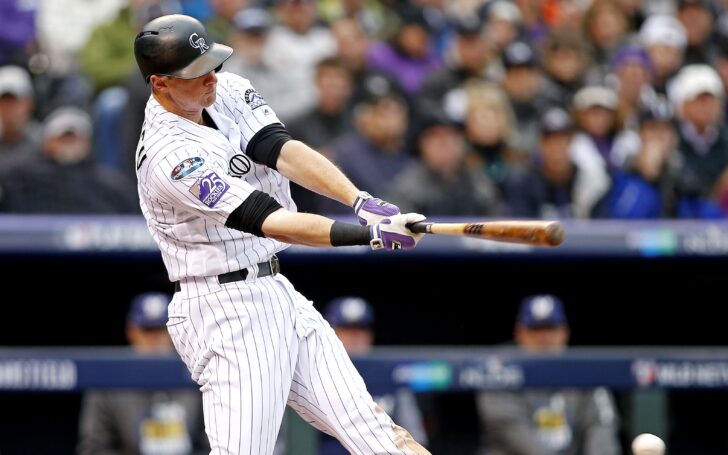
554 233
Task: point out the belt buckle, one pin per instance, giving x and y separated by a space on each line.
275 265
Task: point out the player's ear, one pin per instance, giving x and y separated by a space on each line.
158 83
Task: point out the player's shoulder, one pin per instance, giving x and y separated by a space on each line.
231 82
236 95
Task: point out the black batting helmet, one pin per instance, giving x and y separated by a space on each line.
177 45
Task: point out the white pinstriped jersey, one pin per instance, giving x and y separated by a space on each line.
191 177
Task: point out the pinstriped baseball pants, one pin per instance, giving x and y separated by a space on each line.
254 346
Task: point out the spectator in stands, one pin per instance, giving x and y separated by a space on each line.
375 153
371 15
600 140
645 187
144 421
221 24
632 73
470 57
107 58
547 421
665 39
527 92
566 60
64 28
440 183
721 63
352 44
490 129
19 133
559 14
64 179
410 57
553 185
698 96
502 20
698 18
606 25
329 119
352 318
294 47
17 31
332 115
249 38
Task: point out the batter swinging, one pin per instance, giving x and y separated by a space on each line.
213 164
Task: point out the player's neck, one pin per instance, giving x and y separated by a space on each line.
170 106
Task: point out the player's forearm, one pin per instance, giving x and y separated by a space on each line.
310 169
298 228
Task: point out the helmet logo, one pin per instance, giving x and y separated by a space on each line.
198 43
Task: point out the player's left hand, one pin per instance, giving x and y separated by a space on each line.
393 234
370 210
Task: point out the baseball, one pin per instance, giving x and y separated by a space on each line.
648 444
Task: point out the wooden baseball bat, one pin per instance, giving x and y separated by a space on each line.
537 233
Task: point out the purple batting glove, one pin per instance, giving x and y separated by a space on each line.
370 210
393 234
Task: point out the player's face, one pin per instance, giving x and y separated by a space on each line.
356 340
195 93
542 339
186 97
149 341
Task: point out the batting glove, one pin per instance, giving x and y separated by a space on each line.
393 234
370 210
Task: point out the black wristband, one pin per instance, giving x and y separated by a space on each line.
345 234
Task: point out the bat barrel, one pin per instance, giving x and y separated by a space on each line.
554 234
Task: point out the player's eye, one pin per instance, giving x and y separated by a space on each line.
217 70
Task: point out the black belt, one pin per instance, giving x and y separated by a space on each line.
270 267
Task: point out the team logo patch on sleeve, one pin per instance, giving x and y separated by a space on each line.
209 189
254 99
186 167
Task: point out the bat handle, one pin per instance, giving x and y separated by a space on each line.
420 227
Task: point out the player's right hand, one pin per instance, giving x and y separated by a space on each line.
370 210
392 233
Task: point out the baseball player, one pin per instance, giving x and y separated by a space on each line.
213 166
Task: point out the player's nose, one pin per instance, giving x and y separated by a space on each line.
210 78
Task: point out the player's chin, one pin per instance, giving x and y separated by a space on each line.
209 98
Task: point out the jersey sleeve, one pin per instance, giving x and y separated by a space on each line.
245 105
193 180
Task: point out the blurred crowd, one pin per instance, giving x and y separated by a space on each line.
524 108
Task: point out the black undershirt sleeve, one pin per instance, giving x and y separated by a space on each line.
265 146
249 216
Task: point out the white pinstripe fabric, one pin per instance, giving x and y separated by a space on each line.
255 346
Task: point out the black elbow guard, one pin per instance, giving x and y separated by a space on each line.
249 216
265 146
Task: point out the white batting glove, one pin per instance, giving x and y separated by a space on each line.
392 233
